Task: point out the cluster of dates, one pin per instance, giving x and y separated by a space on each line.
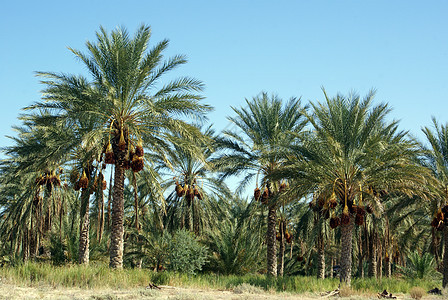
327 207
267 192
440 219
189 191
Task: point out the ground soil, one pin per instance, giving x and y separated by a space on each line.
10 291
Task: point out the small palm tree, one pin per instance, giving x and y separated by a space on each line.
419 266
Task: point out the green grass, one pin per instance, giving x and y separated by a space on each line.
100 276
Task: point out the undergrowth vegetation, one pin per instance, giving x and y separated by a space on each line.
101 276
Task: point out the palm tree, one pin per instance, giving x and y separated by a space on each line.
353 154
438 162
130 112
236 246
69 140
31 183
265 129
197 200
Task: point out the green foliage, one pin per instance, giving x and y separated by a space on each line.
57 250
419 266
235 251
160 278
236 247
185 253
101 276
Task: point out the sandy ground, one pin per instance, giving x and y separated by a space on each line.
9 291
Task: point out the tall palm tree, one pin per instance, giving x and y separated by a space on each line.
131 112
350 148
438 162
263 130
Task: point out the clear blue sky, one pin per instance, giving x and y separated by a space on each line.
239 48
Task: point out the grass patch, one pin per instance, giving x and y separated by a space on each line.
417 292
100 276
246 288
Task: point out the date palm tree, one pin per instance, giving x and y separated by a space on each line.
198 199
32 196
438 162
356 156
263 130
131 109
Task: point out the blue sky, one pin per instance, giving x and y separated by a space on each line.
240 48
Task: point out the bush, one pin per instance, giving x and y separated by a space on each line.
419 266
246 288
160 278
185 253
417 292
57 250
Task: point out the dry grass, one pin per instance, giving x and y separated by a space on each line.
417 292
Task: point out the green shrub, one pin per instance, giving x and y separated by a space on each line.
419 266
57 250
186 254
160 278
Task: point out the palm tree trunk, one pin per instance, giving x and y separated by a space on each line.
117 229
135 200
434 245
271 242
360 256
445 258
380 260
346 252
331 266
372 255
33 239
320 257
84 227
100 227
281 259
26 245
388 267
109 200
